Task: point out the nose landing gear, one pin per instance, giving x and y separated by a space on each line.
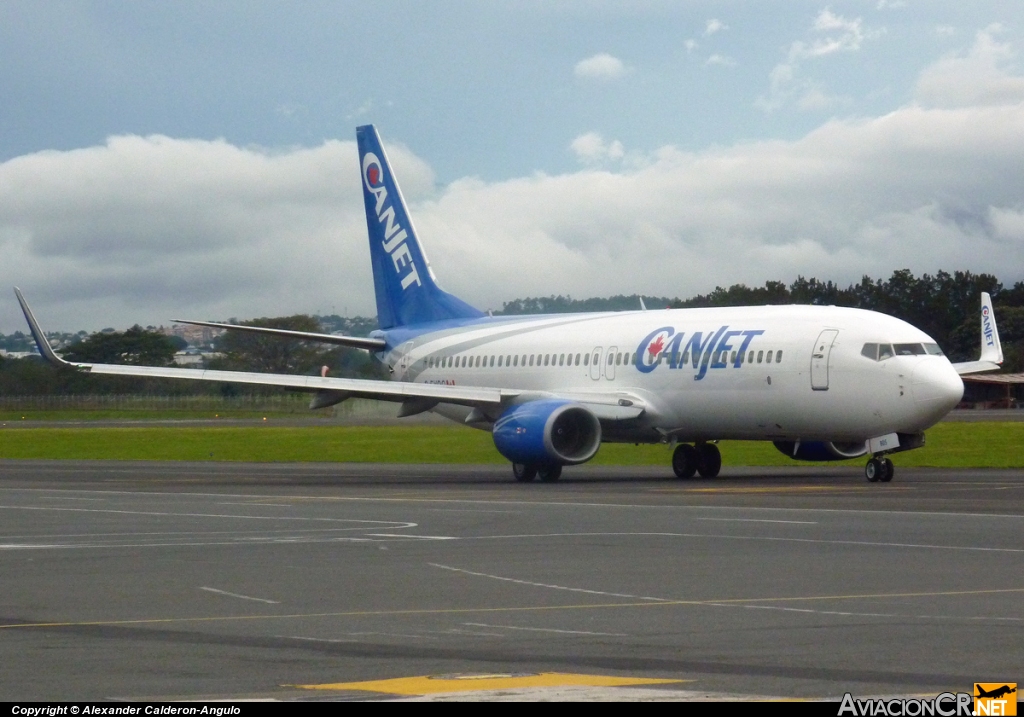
879 469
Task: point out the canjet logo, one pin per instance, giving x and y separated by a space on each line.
945 705
703 350
995 698
986 325
394 241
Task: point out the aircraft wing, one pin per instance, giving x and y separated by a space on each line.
965 367
341 387
991 349
353 341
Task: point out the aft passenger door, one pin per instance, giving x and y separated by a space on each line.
595 363
819 359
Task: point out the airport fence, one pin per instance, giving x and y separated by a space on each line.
278 403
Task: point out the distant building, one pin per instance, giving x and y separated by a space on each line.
194 335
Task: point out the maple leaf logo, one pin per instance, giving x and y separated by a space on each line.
655 348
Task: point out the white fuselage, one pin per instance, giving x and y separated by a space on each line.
759 373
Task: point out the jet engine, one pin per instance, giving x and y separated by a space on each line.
547 432
822 450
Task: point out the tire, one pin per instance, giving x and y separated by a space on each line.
684 461
890 470
874 470
549 474
709 460
524 473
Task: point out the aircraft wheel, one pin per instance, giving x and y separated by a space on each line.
709 460
890 470
550 474
524 473
874 470
684 461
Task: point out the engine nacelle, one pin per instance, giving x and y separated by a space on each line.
822 450
550 431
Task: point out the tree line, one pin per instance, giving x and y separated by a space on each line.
946 306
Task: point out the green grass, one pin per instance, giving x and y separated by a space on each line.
954 445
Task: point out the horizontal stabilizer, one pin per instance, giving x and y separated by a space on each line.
352 341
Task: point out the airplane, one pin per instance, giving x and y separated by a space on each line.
996 693
821 383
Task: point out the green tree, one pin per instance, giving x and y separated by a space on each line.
243 351
136 346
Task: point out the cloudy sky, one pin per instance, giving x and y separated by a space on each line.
196 160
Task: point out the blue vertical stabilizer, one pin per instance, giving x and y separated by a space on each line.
404 285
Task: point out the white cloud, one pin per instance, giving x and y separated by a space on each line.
981 76
718 59
833 34
714 26
590 148
143 229
600 67
691 45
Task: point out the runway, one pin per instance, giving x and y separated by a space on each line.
314 581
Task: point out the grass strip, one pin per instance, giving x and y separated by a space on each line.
949 445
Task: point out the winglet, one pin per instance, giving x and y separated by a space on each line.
37 333
991 349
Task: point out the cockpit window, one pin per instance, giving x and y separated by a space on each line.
870 351
933 350
909 349
885 352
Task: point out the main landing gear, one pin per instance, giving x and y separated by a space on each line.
704 458
526 472
879 469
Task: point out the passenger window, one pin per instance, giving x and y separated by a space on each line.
577 360
531 359
778 357
492 360
515 360
760 355
586 359
686 357
750 357
499 361
768 358
870 351
733 357
611 358
545 359
884 351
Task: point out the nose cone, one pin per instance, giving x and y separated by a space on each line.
936 386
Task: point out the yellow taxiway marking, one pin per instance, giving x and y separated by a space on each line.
514 609
428 685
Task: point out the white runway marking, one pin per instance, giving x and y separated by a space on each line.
547 629
759 520
544 585
417 537
397 525
240 597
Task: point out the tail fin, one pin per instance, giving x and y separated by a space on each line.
406 290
